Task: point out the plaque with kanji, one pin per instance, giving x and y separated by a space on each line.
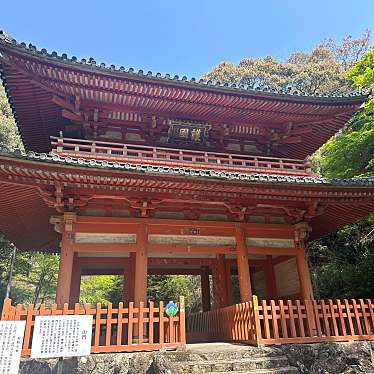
188 132
11 340
62 336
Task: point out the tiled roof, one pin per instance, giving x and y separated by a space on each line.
91 64
183 171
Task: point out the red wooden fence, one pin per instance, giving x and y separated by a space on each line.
121 329
178 157
286 321
232 323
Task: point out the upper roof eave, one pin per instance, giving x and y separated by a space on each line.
9 44
44 158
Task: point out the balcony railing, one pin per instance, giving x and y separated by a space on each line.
178 157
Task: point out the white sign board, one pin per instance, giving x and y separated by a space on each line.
62 336
11 340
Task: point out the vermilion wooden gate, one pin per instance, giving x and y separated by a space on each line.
121 329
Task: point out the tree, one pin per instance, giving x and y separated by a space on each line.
342 262
171 287
101 289
320 71
9 136
362 75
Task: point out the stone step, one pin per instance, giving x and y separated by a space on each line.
247 364
220 355
283 370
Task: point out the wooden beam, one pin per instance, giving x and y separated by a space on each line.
168 271
274 251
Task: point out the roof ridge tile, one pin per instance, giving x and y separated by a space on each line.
191 172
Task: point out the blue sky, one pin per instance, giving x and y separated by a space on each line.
182 37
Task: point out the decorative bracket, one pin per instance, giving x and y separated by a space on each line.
302 231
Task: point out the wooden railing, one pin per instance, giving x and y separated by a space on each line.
121 329
232 323
178 157
279 322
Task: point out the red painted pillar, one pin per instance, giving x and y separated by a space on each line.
75 281
228 284
205 288
141 264
126 281
66 261
271 286
243 266
222 279
306 290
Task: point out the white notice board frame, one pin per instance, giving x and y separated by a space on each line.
11 341
62 336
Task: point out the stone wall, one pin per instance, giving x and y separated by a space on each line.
326 358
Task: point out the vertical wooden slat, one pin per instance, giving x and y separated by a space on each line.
283 319
292 318
349 317
317 318
325 319
266 319
182 322
7 306
300 319
130 323
119 324
357 317
29 320
364 316
371 312
161 324
97 328
108 331
333 317
151 322
140 322
274 319
311 326
341 318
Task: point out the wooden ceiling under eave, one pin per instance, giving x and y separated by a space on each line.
33 79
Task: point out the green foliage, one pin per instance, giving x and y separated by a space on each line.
342 263
8 131
170 288
99 289
349 153
362 75
35 283
320 71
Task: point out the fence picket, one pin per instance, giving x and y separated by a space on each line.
357 317
341 318
333 317
364 316
119 323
